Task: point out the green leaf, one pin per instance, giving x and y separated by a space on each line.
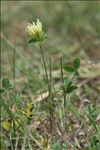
32 41
71 88
69 69
76 63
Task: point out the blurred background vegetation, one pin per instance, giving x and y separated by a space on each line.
72 29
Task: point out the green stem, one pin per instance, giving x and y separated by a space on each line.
61 66
50 97
64 93
14 70
46 74
49 84
62 79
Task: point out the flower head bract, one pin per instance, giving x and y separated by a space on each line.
35 31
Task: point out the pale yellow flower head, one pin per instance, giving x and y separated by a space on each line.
35 31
